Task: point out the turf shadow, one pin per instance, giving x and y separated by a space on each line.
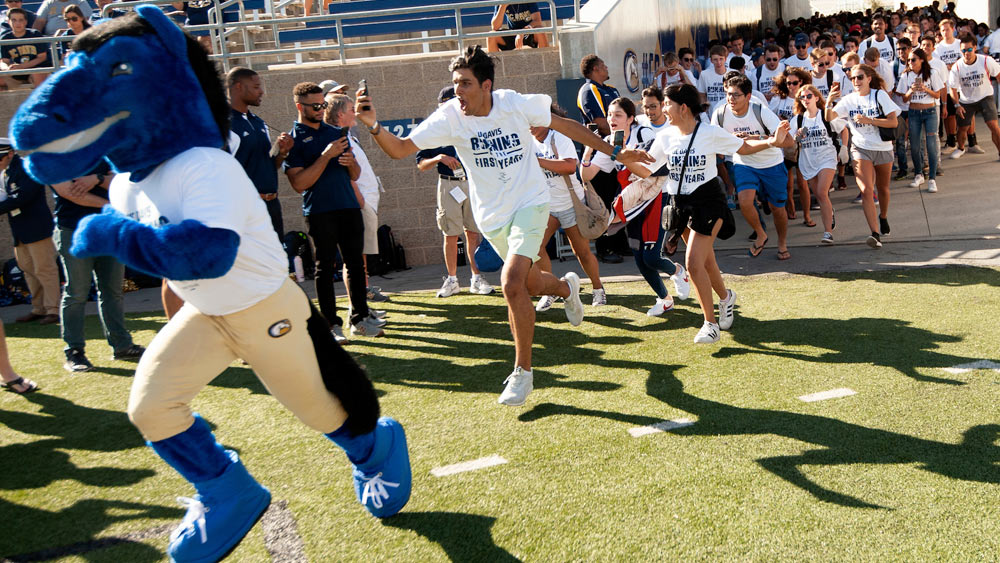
464 537
889 343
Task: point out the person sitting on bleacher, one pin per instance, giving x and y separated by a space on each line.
22 57
97 16
517 16
50 15
11 4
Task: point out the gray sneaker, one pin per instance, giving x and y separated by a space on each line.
338 334
480 286
375 294
519 385
449 287
727 307
573 306
367 327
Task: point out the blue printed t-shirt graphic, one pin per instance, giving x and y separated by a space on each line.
332 190
593 100
254 151
497 151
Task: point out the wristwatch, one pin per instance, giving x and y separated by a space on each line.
375 130
100 179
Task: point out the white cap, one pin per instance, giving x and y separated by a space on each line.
331 86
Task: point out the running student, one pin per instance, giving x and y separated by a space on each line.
688 149
867 109
972 92
491 133
820 143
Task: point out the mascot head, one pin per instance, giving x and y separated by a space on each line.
135 91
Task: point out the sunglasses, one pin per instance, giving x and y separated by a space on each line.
317 107
808 96
858 77
969 50
912 59
688 59
822 65
772 60
72 20
800 46
790 83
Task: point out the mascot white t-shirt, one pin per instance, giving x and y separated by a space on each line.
209 186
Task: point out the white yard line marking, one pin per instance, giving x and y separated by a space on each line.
981 364
831 394
660 427
473 465
281 534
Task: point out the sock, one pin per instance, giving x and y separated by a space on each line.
972 140
877 235
194 453
951 140
357 448
452 278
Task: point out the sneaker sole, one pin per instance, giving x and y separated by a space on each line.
507 403
71 369
872 242
574 284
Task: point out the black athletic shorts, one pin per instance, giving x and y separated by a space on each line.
700 209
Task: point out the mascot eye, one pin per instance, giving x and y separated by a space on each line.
121 68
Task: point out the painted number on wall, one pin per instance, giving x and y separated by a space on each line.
400 127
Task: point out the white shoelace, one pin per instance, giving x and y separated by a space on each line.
195 517
375 489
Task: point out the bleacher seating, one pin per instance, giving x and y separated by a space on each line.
433 20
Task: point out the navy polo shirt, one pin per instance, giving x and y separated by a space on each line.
30 218
593 100
68 213
332 191
254 151
431 153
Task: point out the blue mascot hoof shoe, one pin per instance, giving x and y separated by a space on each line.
383 482
218 517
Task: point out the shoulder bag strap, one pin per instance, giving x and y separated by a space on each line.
680 181
565 177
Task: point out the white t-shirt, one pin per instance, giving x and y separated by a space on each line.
747 124
664 79
636 136
885 48
795 61
558 194
907 80
497 151
670 146
209 186
367 182
948 53
816 150
821 83
973 81
710 84
992 43
885 71
782 107
866 136
766 80
645 122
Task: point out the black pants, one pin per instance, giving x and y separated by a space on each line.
343 229
274 210
607 187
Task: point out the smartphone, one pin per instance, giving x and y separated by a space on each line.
593 127
919 81
619 138
363 91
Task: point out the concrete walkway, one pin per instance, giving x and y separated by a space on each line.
959 225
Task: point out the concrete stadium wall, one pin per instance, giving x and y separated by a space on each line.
405 90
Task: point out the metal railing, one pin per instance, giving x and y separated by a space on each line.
51 65
219 30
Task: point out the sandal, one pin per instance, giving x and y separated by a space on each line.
27 384
784 255
809 223
756 249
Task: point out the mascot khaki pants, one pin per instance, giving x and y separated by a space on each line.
193 348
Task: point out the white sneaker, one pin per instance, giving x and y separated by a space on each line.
449 288
681 282
957 154
932 186
338 334
662 306
726 311
367 327
975 149
917 181
480 286
545 303
827 238
600 298
519 385
708 334
573 305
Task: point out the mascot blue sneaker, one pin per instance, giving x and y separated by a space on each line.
142 95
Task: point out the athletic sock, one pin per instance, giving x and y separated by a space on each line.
194 453
972 140
952 141
357 448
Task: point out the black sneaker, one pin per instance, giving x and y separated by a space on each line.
611 258
899 176
133 352
883 224
76 361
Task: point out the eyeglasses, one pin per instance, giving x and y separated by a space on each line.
317 107
822 65
735 95
858 77
969 50
912 59
688 59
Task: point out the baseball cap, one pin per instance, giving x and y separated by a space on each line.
5 146
447 93
801 40
331 86
854 29
757 53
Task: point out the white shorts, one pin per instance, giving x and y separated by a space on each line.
371 230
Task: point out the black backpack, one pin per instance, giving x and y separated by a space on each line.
829 130
296 243
13 285
391 256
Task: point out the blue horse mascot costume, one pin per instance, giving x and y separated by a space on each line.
140 93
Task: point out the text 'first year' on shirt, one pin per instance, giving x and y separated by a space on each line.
973 81
209 186
710 84
671 145
948 53
816 148
909 77
332 190
497 150
747 124
866 136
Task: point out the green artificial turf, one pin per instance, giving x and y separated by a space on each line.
906 469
